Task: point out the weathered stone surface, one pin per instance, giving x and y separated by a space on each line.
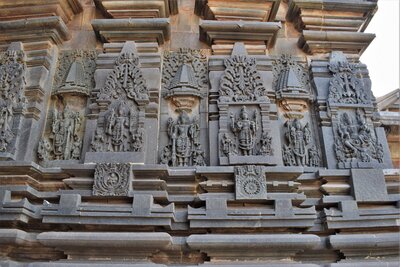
133 133
138 9
139 30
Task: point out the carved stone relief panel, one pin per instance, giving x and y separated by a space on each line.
246 114
356 144
112 179
184 90
299 148
291 85
290 78
250 182
63 135
121 102
345 88
347 111
12 100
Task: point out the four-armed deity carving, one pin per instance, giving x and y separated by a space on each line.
299 150
184 147
248 138
64 142
356 141
120 127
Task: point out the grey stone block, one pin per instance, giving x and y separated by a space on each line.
368 185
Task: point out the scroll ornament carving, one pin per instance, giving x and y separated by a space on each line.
64 142
250 182
111 179
246 141
241 81
345 87
355 140
289 75
125 80
184 147
196 60
120 129
299 150
12 82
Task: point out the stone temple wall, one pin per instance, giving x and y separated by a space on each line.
192 133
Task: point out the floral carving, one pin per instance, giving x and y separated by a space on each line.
344 86
125 80
241 81
111 179
12 100
250 182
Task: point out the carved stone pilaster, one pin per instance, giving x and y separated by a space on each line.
185 84
12 99
62 139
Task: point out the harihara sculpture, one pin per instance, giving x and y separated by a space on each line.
345 87
184 147
111 179
289 76
250 182
245 130
356 141
299 150
241 81
120 128
12 82
63 142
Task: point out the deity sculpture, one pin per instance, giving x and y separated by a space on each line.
228 146
245 129
184 148
12 82
356 141
117 128
300 150
64 140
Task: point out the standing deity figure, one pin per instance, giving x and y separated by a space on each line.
299 137
300 150
245 129
116 127
184 147
65 129
182 134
